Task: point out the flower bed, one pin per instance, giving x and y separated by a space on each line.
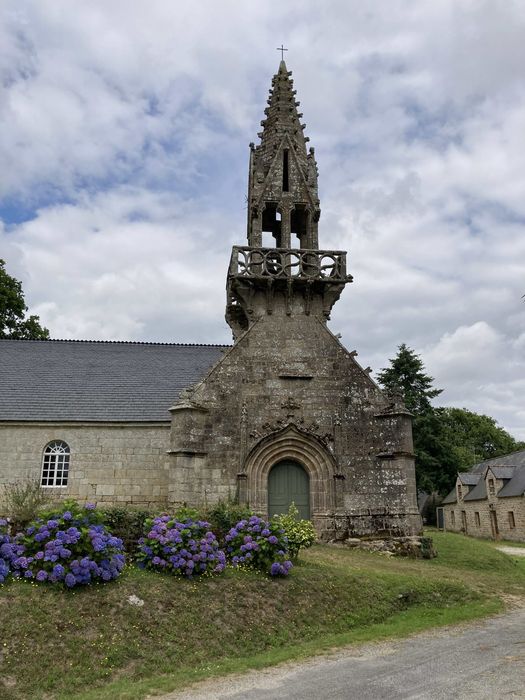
71 547
259 545
186 548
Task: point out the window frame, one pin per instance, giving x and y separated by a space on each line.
54 472
512 520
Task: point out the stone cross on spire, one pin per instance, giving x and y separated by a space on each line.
282 50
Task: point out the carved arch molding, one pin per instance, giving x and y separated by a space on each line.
291 443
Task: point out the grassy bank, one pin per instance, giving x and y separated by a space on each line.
93 644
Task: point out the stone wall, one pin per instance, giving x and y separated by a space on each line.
288 385
109 463
501 507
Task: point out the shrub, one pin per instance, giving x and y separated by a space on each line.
186 548
259 545
127 523
69 547
23 499
300 533
4 561
224 515
185 512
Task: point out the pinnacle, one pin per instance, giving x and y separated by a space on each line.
281 115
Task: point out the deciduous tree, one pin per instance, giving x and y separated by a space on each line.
13 320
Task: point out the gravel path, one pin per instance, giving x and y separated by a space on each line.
481 661
513 551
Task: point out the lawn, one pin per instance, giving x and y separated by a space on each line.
93 644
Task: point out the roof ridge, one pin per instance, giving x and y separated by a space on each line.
114 342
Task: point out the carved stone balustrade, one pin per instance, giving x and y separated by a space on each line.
286 263
282 280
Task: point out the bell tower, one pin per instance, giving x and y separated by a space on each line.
291 276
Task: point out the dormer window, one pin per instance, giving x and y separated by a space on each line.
492 487
460 492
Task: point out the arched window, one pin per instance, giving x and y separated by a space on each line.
55 464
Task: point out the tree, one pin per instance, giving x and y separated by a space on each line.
13 321
474 437
446 440
435 468
406 374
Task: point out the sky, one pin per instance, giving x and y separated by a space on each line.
124 132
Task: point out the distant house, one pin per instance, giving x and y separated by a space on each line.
489 500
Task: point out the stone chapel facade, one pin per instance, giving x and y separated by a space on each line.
285 414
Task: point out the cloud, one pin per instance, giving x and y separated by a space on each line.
123 138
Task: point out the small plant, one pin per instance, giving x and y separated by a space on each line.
69 547
185 512
23 500
300 533
4 561
258 544
186 548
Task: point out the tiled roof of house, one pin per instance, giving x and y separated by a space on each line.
503 472
450 498
516 485
469 478
478 493
70 380
514 459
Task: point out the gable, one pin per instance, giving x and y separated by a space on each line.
292 354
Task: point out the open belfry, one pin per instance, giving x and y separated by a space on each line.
286 414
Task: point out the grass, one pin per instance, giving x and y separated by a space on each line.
93 645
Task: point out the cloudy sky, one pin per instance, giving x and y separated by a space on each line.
124 131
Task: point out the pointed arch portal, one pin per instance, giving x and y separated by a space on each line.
291 445
288 482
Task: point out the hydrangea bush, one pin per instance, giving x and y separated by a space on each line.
70 547
4 560
187 547
259 545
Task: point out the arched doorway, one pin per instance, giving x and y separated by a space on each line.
288 482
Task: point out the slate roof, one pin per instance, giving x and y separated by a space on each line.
469 478
450 497
71 380
516 485
514 459
503 472
478 493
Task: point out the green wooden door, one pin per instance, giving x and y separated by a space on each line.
288 481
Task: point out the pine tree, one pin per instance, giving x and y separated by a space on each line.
435 467
406 374
13 322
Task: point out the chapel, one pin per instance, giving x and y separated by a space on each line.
285 414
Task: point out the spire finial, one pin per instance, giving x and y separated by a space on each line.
282 50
